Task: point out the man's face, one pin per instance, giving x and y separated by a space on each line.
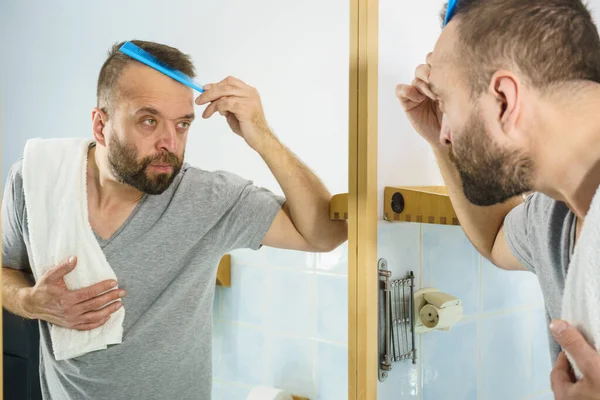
147 131
492 168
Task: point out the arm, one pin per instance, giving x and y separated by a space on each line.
484 226
306 210
303 223
15 284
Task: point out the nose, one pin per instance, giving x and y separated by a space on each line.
168 140
445 132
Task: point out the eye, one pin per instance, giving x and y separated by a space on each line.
150 122
184 125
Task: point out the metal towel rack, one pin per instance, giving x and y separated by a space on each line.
396 320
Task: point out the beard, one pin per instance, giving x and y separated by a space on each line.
490 174
124 164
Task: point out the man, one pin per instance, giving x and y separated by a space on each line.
509 102
163 226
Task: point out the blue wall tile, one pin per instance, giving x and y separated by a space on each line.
291 365
402 382
507 289
450 362
332 300
541 365
249 257
289 258
505 359
545 396
216 391
216 349
451 264
398 243
292 304
217 303
243 354
335 262
246 300
332 371
234 391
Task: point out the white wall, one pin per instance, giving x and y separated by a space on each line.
407 32
295 53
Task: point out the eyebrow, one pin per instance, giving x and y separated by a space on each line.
154 111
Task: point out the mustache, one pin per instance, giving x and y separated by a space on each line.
162 158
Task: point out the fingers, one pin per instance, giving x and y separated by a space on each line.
94 317
573 342
87 293
423 87
89 327
560 377
422 72
408 94
224 106
98 302
230 86
59 271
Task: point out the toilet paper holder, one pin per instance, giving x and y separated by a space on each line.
436 310
396 319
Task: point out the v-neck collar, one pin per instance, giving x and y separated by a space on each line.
105 242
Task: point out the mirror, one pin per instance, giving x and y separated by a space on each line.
283 321
493 341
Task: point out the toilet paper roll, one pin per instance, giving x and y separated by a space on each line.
268 393
436 318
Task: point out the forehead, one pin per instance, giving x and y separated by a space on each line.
139 85
442 60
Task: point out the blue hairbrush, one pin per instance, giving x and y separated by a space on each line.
450 11
144 57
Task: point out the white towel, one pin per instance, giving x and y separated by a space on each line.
54 181
582 288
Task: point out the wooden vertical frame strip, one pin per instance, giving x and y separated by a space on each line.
1 313
362 202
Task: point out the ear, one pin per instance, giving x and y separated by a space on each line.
505 87
99 121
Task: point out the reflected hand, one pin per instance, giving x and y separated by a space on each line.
241 105
564 384
421 105
83 309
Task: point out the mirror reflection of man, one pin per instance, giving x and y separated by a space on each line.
509 102
163 226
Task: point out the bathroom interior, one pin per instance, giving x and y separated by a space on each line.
285 319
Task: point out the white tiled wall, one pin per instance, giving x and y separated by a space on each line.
500 348
283 323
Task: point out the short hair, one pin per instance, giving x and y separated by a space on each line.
548 42
117 61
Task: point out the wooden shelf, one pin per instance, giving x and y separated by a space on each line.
338 207
224 271
426 204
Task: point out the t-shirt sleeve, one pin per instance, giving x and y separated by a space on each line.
14 250
516 226
252 213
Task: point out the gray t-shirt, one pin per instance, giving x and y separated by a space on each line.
541 234
165 255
